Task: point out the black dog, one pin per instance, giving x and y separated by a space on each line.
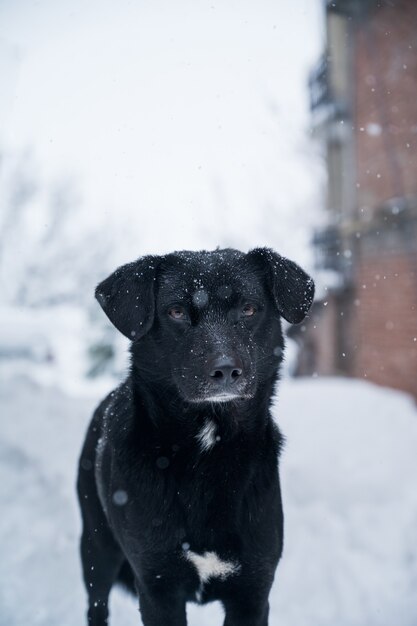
178 480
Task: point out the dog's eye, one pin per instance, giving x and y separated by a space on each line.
248 310
177 313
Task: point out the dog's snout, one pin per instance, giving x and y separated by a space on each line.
226 370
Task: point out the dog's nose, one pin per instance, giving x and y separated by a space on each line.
226 370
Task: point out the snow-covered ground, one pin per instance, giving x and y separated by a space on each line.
349 475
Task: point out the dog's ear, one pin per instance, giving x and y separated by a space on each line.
127 297
292 288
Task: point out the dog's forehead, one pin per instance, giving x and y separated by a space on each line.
203 275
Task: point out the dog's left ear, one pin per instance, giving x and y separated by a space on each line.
127 297
292 288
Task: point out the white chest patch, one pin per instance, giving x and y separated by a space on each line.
208 565
207 436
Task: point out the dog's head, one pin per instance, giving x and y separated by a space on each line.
207 324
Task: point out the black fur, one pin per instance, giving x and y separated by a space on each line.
206 349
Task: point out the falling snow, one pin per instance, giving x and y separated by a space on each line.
120 497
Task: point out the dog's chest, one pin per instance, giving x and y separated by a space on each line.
212 546
208 505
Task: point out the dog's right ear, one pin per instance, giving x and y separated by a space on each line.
127 297
292 288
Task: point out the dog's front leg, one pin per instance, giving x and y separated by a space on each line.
162 608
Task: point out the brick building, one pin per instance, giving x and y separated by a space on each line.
364 112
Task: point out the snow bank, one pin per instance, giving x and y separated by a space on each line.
49 345
348 477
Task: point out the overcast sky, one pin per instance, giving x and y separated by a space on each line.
184 121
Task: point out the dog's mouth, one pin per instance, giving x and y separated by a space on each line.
221 397
211 390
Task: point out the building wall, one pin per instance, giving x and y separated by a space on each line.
385 121
386 326
369 329
385 79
